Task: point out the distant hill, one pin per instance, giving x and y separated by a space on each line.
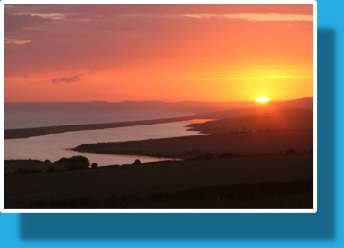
272 108
281 120
304 100
192 107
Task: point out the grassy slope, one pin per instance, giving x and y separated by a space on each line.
12 165
21 190
268 195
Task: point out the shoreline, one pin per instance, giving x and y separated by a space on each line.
20 133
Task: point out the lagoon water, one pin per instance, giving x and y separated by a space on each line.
42 118
53 146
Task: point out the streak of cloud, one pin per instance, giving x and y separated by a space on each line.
272 17
67 80
19 22
16 41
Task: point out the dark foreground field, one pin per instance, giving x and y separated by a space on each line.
266 181
267 195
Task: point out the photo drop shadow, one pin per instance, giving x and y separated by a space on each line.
318 226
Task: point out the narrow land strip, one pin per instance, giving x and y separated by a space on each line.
37 131
272 142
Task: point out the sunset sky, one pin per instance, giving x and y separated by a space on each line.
59 53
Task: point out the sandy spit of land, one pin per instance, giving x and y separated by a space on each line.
270 142
101 183
263 134
37 131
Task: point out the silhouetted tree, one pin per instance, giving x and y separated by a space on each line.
137 161
75 162
94 166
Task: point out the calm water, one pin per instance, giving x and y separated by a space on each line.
25 119
53 146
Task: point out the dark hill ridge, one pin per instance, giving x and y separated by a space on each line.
274 120
196 110
193 107
272 108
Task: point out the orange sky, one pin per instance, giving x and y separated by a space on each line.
157 52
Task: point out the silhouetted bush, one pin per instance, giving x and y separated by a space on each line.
50 169
47 161
75 162
94 166
137 161
290 151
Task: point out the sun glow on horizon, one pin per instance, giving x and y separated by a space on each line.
212 53
262 100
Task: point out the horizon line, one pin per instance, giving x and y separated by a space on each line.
162 101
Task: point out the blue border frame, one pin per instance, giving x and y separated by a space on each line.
323 228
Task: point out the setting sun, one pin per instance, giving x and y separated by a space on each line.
95 91
262 100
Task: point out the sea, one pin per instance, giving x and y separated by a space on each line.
55 146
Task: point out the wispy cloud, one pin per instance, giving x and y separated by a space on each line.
14 22
253 17
16 41
67 80
60 16
52 16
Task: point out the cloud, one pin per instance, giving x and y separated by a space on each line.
61 38
81 17
253 17
111 10
64 16
18 22
52 16
67 80
16 41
